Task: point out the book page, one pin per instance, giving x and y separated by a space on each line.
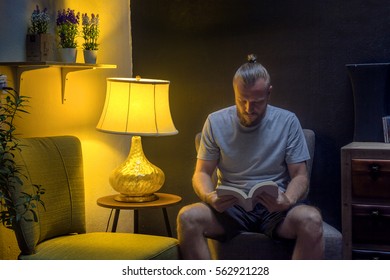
245 200
269 187
242 197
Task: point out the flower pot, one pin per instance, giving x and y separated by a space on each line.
90 56
39 47
68 55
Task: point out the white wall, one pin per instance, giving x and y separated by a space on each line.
85 93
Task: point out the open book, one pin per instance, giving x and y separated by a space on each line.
245 200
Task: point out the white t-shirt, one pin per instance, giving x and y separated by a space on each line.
248 155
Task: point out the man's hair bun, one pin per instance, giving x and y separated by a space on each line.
252 58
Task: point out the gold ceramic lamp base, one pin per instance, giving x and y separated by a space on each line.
137 179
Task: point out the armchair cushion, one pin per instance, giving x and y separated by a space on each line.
56 164
257 246
106 246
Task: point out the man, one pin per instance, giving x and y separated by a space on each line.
249 143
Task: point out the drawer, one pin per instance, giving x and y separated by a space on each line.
370 255
371 224
371 178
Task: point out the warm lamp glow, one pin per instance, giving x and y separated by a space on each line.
138 107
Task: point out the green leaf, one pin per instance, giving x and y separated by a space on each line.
11 175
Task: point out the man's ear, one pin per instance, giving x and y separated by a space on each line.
270 90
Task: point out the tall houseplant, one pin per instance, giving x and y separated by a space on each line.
13 210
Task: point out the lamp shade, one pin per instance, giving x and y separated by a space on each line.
137 107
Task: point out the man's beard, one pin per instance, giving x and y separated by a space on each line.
246 121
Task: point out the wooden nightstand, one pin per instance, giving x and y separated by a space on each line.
365 184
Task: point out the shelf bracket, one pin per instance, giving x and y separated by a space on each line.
64 79
17 74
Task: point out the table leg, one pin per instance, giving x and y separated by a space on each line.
115 222
167 224
136 221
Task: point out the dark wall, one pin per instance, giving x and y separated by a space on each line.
304 44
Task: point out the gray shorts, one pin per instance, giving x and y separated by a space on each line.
236 220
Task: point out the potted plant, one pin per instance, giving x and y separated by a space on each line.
90 35
67 30
39 43
13 210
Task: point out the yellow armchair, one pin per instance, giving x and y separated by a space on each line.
56 164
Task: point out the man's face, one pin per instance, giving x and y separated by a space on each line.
251 101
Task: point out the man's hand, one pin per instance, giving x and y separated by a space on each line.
281 203
220 203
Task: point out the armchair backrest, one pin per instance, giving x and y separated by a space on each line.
310 141
56 164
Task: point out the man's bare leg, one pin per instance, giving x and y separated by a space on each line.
195 222
304 223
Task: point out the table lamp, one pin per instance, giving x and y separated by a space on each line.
137 107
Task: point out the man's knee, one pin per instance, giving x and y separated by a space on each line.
189 216
311 221
305 219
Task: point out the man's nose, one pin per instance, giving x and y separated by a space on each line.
249 107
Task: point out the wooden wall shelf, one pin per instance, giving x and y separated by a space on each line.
19 68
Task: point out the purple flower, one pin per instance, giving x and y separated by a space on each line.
67 27
67 17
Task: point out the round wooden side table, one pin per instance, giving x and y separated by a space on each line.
164 200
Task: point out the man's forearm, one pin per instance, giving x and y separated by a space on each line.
202 185
297 189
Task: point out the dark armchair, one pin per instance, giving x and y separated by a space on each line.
250 245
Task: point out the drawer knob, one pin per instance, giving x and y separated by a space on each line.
374 170
375 213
